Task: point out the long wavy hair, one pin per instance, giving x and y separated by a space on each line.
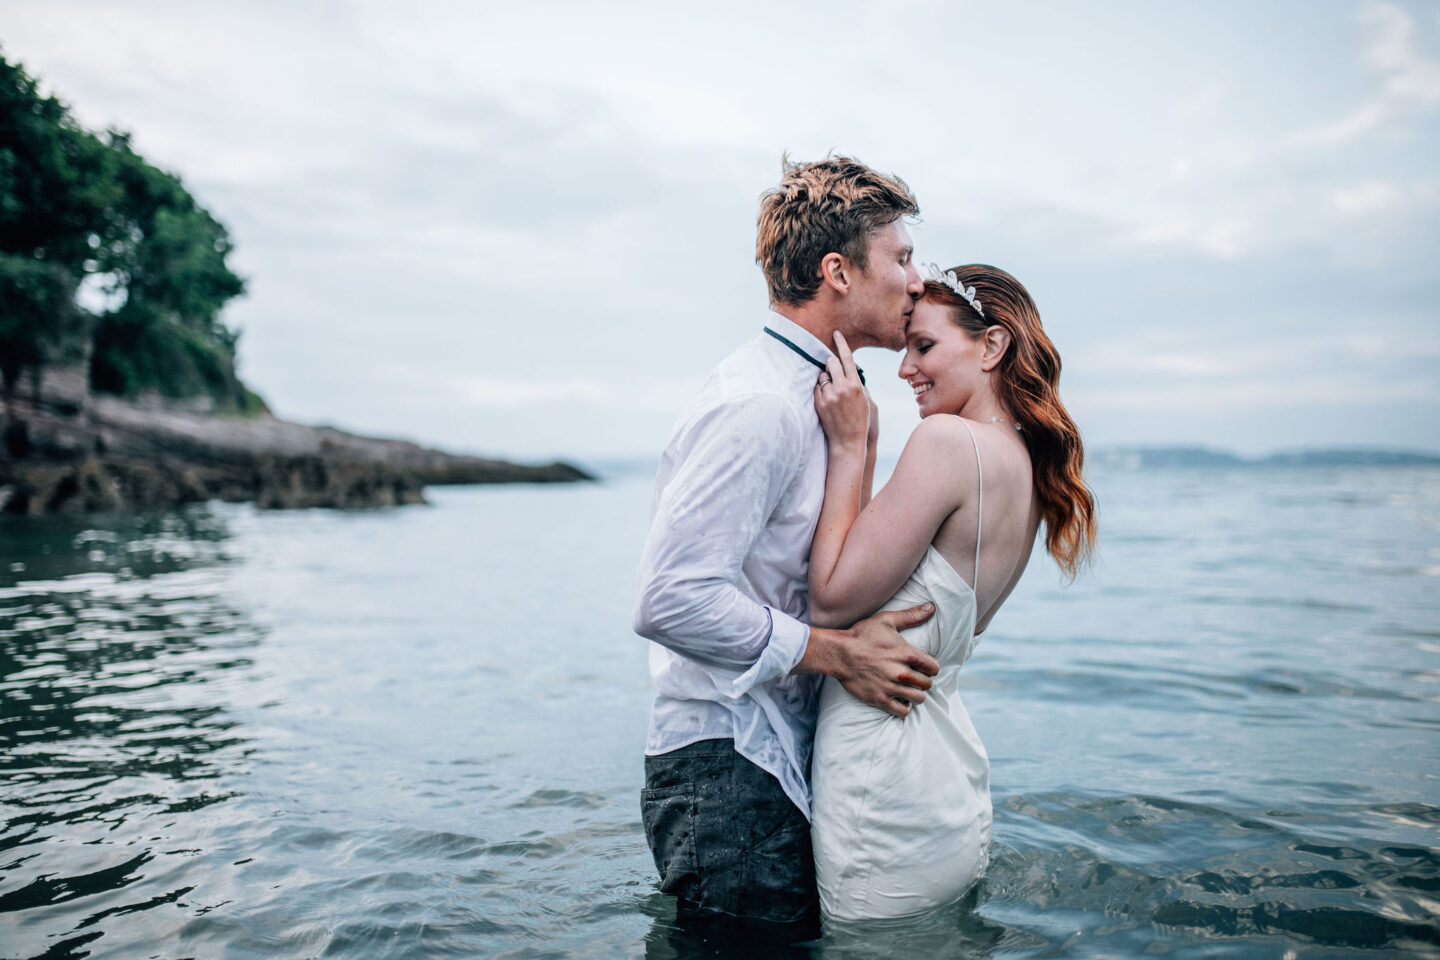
1026 382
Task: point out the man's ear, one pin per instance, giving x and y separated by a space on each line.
997 342
832 273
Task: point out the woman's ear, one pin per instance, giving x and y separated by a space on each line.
832 273
997 341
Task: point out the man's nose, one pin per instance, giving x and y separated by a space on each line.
916 286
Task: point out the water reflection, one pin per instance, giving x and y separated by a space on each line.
46 550
112 648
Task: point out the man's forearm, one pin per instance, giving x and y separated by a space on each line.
718 627
824 654
873 661
736 640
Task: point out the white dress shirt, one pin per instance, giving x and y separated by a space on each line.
723 586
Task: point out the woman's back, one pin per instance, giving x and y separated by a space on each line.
1011 516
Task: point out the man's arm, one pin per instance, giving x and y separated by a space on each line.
732 463
873 661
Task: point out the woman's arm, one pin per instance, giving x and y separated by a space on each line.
867 480
862 553
845 480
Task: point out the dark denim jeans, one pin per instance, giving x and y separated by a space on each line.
728 842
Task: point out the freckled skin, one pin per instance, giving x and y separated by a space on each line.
940 353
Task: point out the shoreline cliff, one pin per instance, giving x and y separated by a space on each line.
72 451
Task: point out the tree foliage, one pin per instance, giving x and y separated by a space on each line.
74 205
39 321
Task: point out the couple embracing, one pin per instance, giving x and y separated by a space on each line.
808 750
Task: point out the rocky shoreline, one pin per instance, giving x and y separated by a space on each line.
73 452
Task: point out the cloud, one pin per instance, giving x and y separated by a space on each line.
531 228
1245 397
1368 198
1409 75
474 391
1222 238
1353 125
1410 80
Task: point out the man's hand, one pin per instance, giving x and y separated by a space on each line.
873 661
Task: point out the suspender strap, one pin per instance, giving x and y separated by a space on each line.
792 346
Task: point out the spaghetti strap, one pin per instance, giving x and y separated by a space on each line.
979 508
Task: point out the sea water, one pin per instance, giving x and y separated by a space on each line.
417 732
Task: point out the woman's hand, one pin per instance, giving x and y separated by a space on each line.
842 402
873 436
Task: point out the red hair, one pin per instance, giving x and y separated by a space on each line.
1027 381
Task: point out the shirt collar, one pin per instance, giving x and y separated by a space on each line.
799 336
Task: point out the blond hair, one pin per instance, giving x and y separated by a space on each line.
828 206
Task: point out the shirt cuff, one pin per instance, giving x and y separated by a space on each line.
788 640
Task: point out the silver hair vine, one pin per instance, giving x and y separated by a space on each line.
948 278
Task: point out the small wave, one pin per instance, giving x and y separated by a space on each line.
50 890
562 798
1130 859
1329 926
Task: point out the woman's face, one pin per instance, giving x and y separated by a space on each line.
942 361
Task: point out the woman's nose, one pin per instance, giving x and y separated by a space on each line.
906 367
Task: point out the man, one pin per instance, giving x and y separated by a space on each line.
723 579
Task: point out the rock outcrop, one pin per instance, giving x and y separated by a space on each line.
70 451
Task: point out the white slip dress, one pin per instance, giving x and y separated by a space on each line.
901 808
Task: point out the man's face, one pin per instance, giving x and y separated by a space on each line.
883 295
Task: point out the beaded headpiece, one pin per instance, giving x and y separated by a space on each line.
948 278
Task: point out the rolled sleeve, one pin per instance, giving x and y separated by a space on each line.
783 650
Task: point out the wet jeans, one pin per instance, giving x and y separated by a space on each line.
729 844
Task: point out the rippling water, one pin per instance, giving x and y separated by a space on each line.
417 732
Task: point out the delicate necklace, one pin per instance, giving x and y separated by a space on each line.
1012 423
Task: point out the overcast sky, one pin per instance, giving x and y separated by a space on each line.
529 229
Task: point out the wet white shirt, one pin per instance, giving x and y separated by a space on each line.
723 585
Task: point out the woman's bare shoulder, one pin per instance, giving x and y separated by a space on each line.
947 435
939 454
951 441
944 430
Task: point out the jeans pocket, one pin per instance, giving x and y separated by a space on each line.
668 813
780 876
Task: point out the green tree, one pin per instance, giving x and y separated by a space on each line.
39 321
73 205
166 256
57 187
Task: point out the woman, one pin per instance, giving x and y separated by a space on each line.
901 817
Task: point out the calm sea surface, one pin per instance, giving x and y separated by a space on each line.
417 732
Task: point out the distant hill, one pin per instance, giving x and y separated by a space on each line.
1183 458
